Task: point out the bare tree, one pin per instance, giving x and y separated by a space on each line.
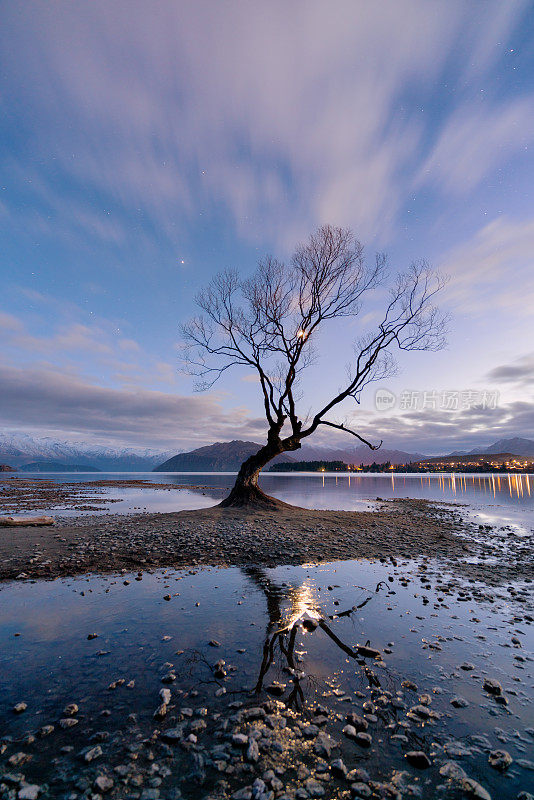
270 322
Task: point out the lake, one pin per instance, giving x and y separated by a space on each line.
270 655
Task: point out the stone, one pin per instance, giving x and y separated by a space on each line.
500 760
473 789
418 759
173 734
165 695
104 783
314 788
338 767
68 722
71 710
357 722
459 702
363 739
253 751
29 791
19 708
359 789
492 686
91 753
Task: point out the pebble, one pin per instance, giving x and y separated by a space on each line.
459 702
104 783
418 759
500 759
91 753
29 791
492 686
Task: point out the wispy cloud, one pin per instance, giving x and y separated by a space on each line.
475 140
284 116
50 399
493 269
520 371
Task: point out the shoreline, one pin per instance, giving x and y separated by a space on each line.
399 528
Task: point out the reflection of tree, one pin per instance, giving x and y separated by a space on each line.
305 614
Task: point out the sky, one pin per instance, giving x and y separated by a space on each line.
145 146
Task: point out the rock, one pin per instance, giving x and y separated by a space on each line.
91 753
473 789
68 722
253 751
19 758
239 740
367 652
323 745
161 711
357 722
492 686
19 708
165 695
29 791
338 767
452 771
363 739
418 759
459 702
214 643
71 710
243 794
254 713
500 759
359 789
314 788
46 730
173 734
104 783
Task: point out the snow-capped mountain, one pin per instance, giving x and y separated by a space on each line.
21 448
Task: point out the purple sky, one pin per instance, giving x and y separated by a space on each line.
144 146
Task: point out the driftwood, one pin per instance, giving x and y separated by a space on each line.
9 522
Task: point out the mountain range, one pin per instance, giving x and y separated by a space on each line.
17 449
228 456
517 446
218 457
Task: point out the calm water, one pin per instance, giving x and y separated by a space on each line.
315 490
141 636
504 500
425 622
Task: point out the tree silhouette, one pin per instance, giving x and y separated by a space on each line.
270 322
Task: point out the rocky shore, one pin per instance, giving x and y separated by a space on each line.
227 537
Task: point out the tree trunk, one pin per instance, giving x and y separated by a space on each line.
246 491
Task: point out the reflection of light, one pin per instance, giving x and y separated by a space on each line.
303 605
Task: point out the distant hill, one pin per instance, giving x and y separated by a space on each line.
357 455
517 446
21 448
218 457
55 466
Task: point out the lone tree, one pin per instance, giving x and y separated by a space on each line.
270 322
